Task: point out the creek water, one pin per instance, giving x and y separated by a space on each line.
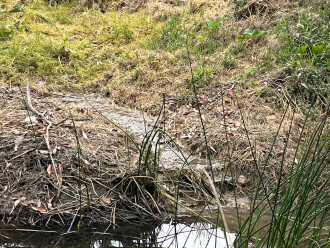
169 235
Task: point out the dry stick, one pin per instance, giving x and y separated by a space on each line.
29 104
219 205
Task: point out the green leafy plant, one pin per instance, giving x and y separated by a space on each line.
212 25
171 36
7 27
249 34
308 39
202 76
306 50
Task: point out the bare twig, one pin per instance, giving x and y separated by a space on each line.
29 103
50 124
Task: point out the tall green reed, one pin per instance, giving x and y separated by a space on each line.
299 202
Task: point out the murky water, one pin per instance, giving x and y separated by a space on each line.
180 235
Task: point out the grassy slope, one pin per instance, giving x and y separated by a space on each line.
132 54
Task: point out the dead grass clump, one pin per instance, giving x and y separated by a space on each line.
104 5
255 8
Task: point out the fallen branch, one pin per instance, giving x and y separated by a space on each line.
50 124
29 103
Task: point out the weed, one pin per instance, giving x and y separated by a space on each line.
229 60
239 3
305 48
308 40
202 76
118 33
249 34
171 36
213 25
9 24
302 214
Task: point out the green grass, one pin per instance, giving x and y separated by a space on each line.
305 48
64 48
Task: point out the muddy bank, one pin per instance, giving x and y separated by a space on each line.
90 170
87 170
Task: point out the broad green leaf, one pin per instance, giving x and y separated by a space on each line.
303 49
240 37
127 54
201 14
201 38
317 49
248 34
16 9
21 29
4 33
45 19
216 22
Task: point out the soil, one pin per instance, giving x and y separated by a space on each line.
92 164
39 185
89 172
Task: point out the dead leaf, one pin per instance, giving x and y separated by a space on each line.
243 205
227 113
135 160
31 120
50 205
6 123
194 105
242 180
60 168
84 135
18 141
232 93
237 124
40 209
69 144
188 112
67 123
280 153
228 102
54 150
231 133
86 161
51 134
106 200
15 131
18 201
49 170
40 131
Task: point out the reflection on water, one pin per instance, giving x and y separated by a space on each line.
193 236
180 235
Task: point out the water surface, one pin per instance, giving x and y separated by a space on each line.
171 235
